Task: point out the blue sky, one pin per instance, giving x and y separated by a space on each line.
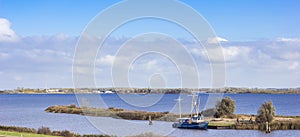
260 39
235 19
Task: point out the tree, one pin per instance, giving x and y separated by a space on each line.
266 112
209 112
225 107
44 130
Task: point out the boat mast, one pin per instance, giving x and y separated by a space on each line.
198 105
195 105
179 105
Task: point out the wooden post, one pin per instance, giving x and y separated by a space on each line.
150 120
268 128
179 105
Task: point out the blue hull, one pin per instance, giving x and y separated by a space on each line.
186 125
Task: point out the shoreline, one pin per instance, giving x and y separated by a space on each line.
132 93
280 122
225 90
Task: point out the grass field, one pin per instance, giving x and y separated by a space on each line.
19 134
221 123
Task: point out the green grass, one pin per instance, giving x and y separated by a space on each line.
110 112
220 124
18 134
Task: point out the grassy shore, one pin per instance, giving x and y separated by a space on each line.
23 134
279 122
114 113
13 131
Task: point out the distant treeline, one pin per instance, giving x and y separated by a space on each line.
233 90
204 90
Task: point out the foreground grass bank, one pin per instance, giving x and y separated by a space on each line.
23 134
12 131
280 122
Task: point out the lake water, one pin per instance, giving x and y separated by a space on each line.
28 111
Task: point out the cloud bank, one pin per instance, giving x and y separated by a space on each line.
46 61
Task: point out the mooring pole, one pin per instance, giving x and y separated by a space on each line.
268 128
150 120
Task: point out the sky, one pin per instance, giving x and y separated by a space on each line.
260 42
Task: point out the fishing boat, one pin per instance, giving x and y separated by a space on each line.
196 120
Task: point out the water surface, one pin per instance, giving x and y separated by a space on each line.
28 111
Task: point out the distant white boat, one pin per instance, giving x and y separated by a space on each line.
108 92
97 92
103 92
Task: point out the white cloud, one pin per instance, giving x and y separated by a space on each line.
33 57
235 53
196 51
231 53
3 55
216 40
150 65
292 55
294 66
30 58
61 36
147 64
288 39
6 33
106 60
18 78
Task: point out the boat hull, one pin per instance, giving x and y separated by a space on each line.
186 125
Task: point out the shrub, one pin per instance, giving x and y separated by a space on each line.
17 129
67 133
44 130
266 112
225 107
209 112
232 116
147 134
97 136
72 106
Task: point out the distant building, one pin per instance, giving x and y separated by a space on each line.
52 90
